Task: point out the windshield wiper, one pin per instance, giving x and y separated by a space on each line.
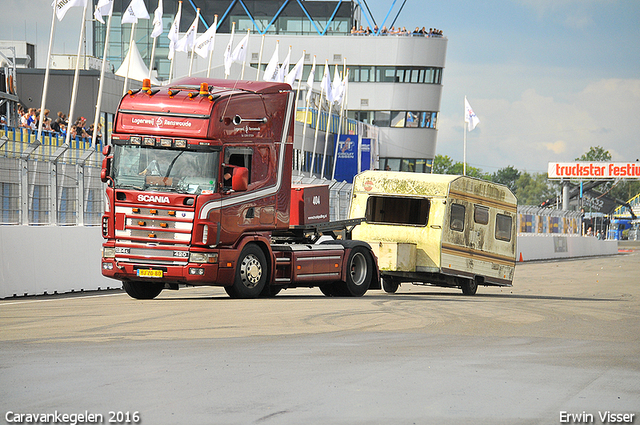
129 186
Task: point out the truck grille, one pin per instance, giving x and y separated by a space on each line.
158 235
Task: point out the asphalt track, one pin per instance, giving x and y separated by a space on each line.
564 340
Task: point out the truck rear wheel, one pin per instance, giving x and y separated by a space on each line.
359 271
469 286
142 290
251 274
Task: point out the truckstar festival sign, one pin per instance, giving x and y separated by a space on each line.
594 170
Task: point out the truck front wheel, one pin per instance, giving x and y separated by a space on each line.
251 274
142 290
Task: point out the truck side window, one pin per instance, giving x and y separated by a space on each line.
503 227
239 157
480 214
456 221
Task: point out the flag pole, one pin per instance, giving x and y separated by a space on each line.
296 103
260 58
344 95
153 48
46 74
193 46
464 143
306 115
229 47
100 88
315 137
126 78
215 24
174 50
326 134
244 61
153 54
75 77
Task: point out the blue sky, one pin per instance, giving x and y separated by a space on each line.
547 78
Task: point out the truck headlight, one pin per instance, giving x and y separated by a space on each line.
108 252
201 257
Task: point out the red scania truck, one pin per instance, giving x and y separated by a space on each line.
199 193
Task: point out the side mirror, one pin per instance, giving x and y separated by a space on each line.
240 179
106 169
106 150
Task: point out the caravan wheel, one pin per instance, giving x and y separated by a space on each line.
469 286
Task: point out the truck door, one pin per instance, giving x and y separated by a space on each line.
252 213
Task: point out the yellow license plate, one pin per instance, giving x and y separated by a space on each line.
149 273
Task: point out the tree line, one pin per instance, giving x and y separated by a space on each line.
535 188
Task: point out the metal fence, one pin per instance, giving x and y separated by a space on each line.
46 184
339 195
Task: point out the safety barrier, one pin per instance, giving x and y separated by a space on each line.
46 184
538 220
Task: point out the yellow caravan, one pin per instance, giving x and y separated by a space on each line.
443 230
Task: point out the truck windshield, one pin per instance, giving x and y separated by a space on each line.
152 169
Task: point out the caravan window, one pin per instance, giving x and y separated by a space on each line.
397 210
503 227
457 217
480 214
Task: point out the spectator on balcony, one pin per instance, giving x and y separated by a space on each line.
32 120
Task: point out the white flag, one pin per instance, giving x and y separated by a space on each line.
296 72
103 8
325 85
272 70
470 117
240 52
310 78
136 10
173 33
228 59
157 21
186 43
284 69
337 88
205 43
63 6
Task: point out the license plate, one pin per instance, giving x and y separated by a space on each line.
149 273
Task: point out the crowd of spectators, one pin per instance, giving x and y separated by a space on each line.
420 32
29 118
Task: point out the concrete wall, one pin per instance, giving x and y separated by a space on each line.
48 259
545 247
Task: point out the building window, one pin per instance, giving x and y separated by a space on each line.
412 119
417 165
395 74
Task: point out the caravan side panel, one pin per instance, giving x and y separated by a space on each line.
479 234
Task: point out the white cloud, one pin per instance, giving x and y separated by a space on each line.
533 130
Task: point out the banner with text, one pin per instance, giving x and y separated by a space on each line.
365 155
594 170
347 158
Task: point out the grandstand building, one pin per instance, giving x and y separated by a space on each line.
395 81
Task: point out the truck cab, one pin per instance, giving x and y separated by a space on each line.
198 179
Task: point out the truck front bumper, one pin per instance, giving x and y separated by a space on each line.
196 274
